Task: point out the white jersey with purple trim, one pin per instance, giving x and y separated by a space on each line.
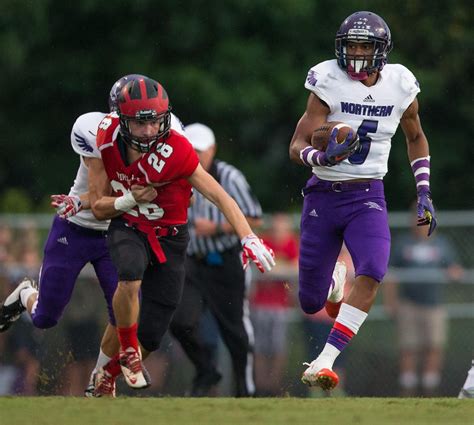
83 140
373 112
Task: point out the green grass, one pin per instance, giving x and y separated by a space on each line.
222 411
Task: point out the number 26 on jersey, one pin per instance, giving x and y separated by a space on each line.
156 162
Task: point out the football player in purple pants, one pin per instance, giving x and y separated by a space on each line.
344 199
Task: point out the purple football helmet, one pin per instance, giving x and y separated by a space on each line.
363 27
118 85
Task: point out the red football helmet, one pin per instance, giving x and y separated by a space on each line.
117 87
143 99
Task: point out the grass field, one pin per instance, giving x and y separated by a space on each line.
222 411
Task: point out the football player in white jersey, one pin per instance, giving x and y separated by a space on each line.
344 199
76 238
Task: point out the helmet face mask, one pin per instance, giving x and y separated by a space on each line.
363 27
140 101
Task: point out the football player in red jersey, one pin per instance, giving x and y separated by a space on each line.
144 184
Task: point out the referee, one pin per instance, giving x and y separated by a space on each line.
214 275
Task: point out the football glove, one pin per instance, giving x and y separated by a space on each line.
254 249
66 205
425 210
338 152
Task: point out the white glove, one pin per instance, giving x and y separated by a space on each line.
256 250
66 205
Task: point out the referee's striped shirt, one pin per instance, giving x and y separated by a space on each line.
235 184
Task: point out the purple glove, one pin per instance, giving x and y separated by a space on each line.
425 209
338 152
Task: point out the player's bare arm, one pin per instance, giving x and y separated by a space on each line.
254 249
315 115
99 191
417 144
418 154
212 190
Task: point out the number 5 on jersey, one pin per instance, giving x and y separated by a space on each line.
367 126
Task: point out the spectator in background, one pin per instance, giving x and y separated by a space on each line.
5 245
270 302
418 306
317 327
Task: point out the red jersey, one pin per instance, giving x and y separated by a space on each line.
166 168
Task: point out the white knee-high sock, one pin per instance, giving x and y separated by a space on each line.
347 324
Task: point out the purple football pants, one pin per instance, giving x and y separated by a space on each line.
333 212
68 249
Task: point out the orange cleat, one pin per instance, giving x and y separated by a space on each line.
327 379
315 376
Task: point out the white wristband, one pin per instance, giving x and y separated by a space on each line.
125 203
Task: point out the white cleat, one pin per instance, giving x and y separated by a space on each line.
316 375
466 393
12 307
132 368
339 279
103 384
89 391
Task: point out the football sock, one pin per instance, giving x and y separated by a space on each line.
327 357
128 337
113 366
102 360
351 317
347 324
340 336
25 294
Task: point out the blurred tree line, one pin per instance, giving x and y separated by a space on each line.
236 65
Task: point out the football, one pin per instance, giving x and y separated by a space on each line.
321 135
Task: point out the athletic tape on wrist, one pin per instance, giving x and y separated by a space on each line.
125 203
421 171
312 157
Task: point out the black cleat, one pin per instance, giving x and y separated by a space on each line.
12 307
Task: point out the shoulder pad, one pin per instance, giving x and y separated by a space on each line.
322 77
177 125
107 131
84 132
404 77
